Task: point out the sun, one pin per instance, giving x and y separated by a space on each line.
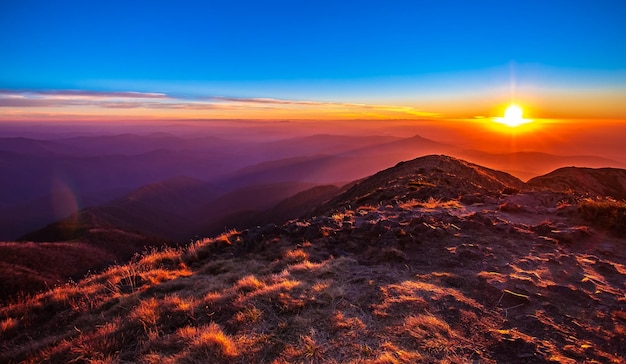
512 117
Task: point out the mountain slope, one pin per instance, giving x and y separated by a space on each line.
157 210
532 164
27 268
594 182
515 278
244 203
175 209
301 204
433 176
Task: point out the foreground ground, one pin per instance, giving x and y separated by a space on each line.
394 271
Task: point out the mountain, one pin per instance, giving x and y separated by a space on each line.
433 260
45 180
433 176
227 211
298 205
93 169
134 144
355 162
29 146
317 144
593 182
157 210
30 177
173 210
301 204
177 195
32 267
23 217
531 164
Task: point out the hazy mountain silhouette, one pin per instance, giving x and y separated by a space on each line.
21 218
176 209
45 180
526 165
224 212
300 204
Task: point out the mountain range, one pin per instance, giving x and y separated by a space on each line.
45 180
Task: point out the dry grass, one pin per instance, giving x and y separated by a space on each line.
208 302
415 185
431 204
605 212
430 333
296 256
8 324
206 342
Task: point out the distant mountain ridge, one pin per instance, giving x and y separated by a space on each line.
99 168
183 207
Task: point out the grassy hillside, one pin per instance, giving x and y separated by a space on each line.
499 277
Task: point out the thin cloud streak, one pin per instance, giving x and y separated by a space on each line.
271 101
85 93
265 107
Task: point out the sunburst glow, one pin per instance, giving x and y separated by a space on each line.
512 117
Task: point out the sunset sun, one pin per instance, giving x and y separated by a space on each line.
512 117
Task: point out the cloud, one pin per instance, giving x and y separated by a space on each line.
85 99
64 98
22 102
333 105
262 100
86 93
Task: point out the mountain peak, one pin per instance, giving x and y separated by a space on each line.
431 176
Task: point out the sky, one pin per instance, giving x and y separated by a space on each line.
428 61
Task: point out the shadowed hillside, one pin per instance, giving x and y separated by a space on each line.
593 182
174 210
433 260
168 212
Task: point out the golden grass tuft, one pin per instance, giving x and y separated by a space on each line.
430 204
207 342
426 325
306 350
168 258
295 256
8 324
147 312
180 304
157 276
305 267
228 237
249 283
343 323
203 248
395 355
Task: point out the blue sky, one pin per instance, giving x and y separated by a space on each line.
336 51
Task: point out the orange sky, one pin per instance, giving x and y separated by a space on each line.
563 123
